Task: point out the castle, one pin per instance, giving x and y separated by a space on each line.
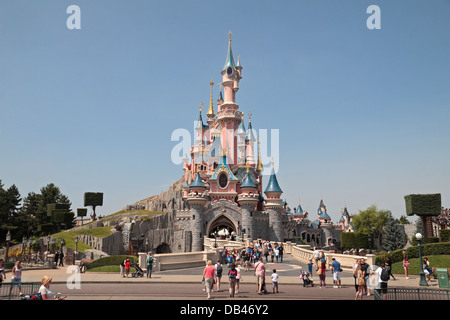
222 186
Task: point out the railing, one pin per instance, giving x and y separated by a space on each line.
10 291
412 294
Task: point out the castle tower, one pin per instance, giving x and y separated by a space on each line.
197 200
228 115
248 200
273 207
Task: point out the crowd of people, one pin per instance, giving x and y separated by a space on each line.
250 259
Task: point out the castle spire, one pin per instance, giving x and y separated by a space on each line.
210 112
259 166
230 60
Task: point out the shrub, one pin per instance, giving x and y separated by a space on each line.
445 235
351 240
111 260
431 249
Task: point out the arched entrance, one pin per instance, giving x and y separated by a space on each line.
223 226
163 248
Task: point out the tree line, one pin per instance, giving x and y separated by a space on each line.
22 217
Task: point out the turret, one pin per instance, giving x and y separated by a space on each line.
273 207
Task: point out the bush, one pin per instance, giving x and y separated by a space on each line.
431 249
445 235
108 261
351 240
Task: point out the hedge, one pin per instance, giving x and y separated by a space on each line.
445 235
351 240
423 204
111 260
431 249
93 199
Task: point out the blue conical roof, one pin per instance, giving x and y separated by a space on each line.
272 185
248 182
230 60
197 182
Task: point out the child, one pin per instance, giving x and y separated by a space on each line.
275 280
238 278
127 267
310 264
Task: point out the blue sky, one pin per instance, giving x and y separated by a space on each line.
363 115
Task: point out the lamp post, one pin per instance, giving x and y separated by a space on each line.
423 281
215 239
76 249
24 243
48 243
8 239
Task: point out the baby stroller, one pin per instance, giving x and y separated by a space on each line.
139 272
306 280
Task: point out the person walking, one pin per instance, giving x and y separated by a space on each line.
406 266
238 278
336 270
356 266
127 267
16 277
383 278
310 272
2 272
274 281
266 252
232 275
359 275
122 268
427 269
280 252
389 264
321 272
208 277
365 268
218 273
277 253
61 259
149 263
260 270
316 257
56 258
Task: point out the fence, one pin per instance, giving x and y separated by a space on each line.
413 294
10 291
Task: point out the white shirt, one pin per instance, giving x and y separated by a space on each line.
275 277
48 293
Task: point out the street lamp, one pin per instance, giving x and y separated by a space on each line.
8 239
76 248
48 243
215 240
423 281
24 243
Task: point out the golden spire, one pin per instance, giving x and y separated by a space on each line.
210 112
259 166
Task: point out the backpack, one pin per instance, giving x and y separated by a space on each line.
219 270
384 274
232 274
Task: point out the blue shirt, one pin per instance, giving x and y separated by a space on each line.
336 266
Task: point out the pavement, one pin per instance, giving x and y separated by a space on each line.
288 270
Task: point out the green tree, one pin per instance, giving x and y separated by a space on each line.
371 221
393 236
